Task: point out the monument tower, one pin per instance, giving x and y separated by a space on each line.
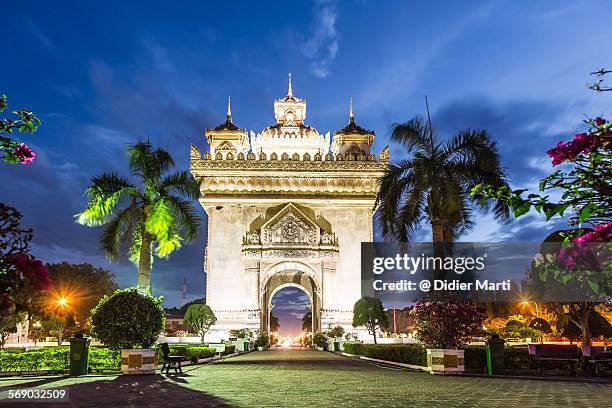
287 206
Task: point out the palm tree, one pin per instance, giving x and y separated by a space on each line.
153 217
434 183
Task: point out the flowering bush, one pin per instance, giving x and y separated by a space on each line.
12 151
598 136
447 325
21 274
586 186
586 191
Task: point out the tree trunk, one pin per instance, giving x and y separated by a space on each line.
202 334
586 332
144 263
437 230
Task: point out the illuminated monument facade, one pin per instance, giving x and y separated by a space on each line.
286 207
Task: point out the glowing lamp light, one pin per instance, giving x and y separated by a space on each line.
62 301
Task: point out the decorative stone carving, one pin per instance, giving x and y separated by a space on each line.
327 238
253 238
384 154
318 156
295 157
229 156
218 156
251 156
194 153
285 157
240 156
274 156
289 227
306 157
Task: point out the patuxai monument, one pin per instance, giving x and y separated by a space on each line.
287 206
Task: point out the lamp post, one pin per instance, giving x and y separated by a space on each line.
526 302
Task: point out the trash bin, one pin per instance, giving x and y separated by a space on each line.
79 354
495 355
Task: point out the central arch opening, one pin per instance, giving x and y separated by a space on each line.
288 296
290 315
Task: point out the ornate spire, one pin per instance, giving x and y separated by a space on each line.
351 117
290 91
228 124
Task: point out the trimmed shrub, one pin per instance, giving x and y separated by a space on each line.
190 353
475 358
400 353
103 358
56 358
516 358
128 319
519 358
229 349
319 340
353 348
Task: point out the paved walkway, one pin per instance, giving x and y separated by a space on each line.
302 378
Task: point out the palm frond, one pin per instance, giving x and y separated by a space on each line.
119 230
187 217
103 195
181 183
147 163
168 242
414 134
400 189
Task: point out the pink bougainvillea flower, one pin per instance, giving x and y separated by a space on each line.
25 154
599 121
34 270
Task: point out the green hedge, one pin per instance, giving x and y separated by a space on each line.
516 358
475 358
103 358
51 358
353 348
56 358
189 352
400 353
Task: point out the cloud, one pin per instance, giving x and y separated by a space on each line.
323 45
41 36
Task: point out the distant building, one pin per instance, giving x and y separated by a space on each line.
175 322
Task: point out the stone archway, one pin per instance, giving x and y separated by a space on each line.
290 245
290 278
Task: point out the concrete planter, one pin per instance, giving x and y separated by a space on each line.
260 348
138 361
320 348
445 361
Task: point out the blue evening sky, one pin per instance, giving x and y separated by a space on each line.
103 75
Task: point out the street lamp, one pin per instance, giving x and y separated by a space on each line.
526 303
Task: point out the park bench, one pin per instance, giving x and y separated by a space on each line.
555 355
170 361
598 356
